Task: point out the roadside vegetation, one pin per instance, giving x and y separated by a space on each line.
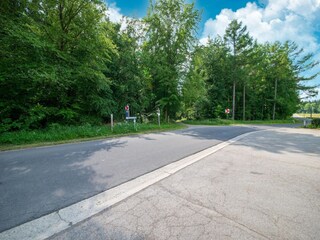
315 123
56 134
65 68
309 109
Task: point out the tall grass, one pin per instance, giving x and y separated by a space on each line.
58 133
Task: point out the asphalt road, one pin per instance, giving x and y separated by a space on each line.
38 181
264 186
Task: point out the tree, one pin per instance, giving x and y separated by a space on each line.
301 65
129 83
240 43
217 66
194 87
52 57
285 65
170 34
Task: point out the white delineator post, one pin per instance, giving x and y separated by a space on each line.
158 113
111 122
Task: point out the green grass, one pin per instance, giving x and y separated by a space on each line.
209 122
232 122
310 126
57 134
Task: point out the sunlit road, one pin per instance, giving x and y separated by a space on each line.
38 181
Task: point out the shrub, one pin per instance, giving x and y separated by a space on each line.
315 122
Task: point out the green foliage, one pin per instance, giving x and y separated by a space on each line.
260 81
170 34
315 123
239 44
309 107
129 81
212 121
51 69
65 63
63 133
194 87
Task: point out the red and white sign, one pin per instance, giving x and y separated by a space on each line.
126 108
227 111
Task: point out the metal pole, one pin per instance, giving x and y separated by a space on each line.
275 99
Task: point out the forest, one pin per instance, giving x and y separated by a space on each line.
64 62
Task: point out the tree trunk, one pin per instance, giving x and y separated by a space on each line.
275 99
234 100
166 115
244 103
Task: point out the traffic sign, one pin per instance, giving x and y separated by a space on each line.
227 111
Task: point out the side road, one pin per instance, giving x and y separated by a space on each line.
265 186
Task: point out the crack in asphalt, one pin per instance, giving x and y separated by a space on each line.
216 211
61 218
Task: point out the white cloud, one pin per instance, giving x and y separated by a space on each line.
113 13
279 21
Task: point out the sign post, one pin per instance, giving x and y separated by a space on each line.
127 109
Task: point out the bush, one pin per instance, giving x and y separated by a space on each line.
315 122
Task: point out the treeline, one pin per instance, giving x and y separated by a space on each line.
309 107
64 61
255 81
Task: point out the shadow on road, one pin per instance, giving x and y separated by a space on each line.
279 142
29 185
221 133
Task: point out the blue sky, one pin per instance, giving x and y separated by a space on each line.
267 20
210 8
138 8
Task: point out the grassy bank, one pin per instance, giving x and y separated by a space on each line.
231 122
57 134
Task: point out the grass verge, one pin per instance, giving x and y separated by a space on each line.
231 122
57 134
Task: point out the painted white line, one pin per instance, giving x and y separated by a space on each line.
56 222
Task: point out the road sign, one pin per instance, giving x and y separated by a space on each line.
227 111
127 110
134 121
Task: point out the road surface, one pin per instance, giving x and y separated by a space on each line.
270 192
38 181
